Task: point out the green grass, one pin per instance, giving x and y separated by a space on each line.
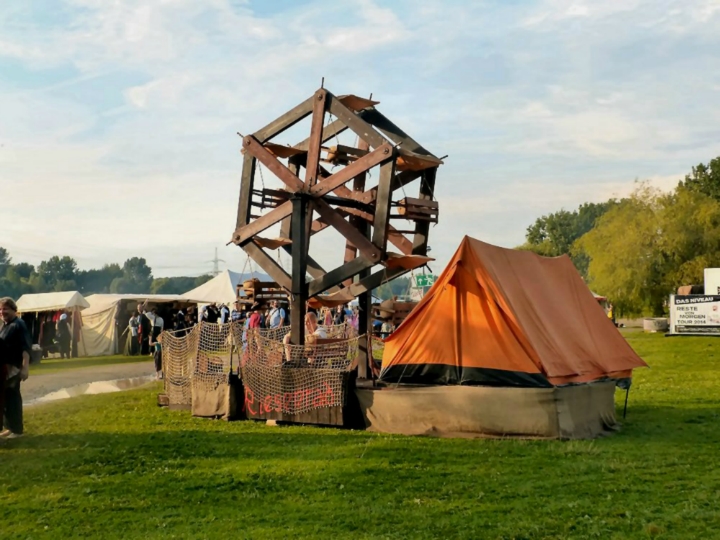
54 365
117 466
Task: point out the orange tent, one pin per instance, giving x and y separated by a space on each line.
502 317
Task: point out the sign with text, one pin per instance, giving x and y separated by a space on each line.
695 314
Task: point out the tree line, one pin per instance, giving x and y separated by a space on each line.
637 250
61 273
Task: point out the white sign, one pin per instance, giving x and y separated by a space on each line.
695 314
712 281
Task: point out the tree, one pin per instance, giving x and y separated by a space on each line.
175 285
98 280
554 234
5 261
58 273
136 278
23 270
642 249
705 179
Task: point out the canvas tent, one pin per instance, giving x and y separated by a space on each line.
54 301
222 289
526 337
39 311
104 322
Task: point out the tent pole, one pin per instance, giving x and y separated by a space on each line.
627 394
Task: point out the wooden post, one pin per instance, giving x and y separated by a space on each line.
299 269
422 228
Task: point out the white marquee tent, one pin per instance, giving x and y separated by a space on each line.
222 288
54 301
101 332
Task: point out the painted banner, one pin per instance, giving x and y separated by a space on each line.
695 314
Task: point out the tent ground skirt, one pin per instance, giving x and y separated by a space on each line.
572 412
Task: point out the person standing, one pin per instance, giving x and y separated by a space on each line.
145 327
224 314
277 315
340 315
15 347
63 336
133 329
158 324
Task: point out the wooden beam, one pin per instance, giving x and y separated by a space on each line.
338 275
355 122
377 119
422 228
253 147
267 263
333 129
373 281
294 168
299 269
382 205
246 187
400 180
313 154
286 121
246 232
330 216
382 154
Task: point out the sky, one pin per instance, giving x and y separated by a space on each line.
118 119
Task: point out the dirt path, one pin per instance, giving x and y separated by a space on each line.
40 385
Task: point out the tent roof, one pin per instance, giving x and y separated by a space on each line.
511 318
101 302
220 289
53 301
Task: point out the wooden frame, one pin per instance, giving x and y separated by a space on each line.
360 213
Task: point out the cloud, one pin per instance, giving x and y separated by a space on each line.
540 106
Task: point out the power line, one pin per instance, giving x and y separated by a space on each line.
216 264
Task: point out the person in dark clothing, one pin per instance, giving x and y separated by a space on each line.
212 314
179 326
15 347
63 336
339 315
145 330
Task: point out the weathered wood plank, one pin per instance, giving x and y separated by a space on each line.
246 187
382 205
246 232
338 275
313 153
355 122
379 155
267 263
286 121
253 147
330 216
422 228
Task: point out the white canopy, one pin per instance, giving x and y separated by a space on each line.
54 301
221 289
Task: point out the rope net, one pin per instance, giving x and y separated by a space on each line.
277 376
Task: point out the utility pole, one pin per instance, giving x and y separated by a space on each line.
216 264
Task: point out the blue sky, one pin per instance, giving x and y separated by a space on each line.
118 119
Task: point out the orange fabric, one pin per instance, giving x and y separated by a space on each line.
513 310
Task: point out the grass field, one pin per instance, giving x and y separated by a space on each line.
116 466
53 365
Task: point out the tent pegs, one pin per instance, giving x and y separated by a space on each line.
627 394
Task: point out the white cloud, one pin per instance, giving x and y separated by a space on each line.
539 107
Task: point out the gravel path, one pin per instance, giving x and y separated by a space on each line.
40 385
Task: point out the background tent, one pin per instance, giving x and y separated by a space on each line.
222 289
40 312
104 322
53 301
507 318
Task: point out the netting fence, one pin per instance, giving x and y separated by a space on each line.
276 375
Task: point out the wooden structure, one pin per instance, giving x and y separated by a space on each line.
313 198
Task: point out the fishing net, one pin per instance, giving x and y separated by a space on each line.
179 353
277 376
293 379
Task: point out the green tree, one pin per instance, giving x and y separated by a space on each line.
5 261
176 285
705 179
554 234
136 277
58 273
23 270
642 249
98 280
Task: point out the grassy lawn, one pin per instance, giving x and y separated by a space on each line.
54 365
117 466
